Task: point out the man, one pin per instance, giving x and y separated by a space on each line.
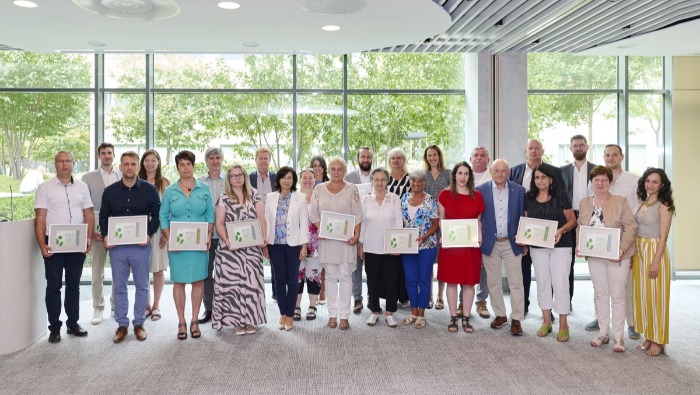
480 166
59 201
504 203
264 180
97 181
213 157
522 174
577 186
361 176
130 197
624 183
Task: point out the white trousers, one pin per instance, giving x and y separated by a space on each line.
99 256
552 267
609 283
339 289
503 254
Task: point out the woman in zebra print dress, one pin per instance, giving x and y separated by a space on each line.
239 288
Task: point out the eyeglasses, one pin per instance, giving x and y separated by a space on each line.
236 176
62 161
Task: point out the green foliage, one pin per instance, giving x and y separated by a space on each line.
20 208
6 182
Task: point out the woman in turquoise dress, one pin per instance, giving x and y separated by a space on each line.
188 200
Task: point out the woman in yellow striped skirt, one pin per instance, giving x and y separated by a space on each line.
651 265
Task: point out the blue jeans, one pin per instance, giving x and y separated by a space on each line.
357 280
418 270
285 260
54 266
139 260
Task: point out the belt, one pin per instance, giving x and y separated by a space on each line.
501 239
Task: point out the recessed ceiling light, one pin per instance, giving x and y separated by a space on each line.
251 44
25 4
96 43
228 5
623 46
331 28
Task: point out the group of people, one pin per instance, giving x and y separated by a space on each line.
229 280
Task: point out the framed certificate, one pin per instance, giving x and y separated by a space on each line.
243 234
401 241
68 238
188 236
536 232
127 230
364 189
336 226
459 233
599 242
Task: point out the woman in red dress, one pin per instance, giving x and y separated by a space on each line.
460 266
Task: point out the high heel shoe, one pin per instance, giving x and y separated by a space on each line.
599 341
280 324
655 353
619 345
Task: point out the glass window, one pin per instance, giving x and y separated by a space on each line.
22 69
125 122
320 72
319 127
645 72
646 132
567 71
405 71
125 71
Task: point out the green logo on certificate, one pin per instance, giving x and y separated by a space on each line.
118 233
452 236
238 237
180 238
329 227
589 244
528 234
59 241
394 243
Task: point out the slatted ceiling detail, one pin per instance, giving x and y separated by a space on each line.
558 25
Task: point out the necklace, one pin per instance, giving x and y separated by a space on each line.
189 189
650 203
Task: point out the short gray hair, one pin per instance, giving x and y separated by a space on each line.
378 170
213 151
481 147
417 175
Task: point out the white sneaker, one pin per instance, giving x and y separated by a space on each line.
96 317
391 321
372 319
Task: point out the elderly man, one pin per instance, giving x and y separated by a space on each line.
522 174
214 157
59 201
361 176
480 166
504 203
130 196
263 180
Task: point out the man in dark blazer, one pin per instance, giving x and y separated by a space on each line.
504 203
263 180
522 175
577 186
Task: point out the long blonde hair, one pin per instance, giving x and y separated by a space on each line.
247 188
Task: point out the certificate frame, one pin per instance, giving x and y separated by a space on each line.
599 242
536 232
67 238
364 188
342 226
188 236
401 241
127 230
457 233
242 234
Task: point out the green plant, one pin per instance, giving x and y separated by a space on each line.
17 208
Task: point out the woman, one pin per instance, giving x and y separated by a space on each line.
320 169
651 274
381 211
309 270
150 170
552 265
239 287
419 210
188 200
438 178
288 215
460 265
609 277
337 256
399 185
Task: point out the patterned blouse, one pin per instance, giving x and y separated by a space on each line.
281 219
433 186
400 187
427 211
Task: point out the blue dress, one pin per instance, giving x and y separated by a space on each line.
187 266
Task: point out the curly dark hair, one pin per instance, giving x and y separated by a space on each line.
453 178
547 171
665 192
324 166
283 171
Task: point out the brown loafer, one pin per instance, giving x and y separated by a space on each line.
515 328
140 332
120 334
498 322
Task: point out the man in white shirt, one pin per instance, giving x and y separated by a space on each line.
262 179
62 200
480 166
97 181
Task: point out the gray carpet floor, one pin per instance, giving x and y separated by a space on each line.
313 359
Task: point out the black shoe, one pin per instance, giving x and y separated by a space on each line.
55 336
206 317
76 330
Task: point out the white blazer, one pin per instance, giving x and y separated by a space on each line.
297 218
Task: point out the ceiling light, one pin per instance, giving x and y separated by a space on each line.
331 28
624 46
228 5
25 4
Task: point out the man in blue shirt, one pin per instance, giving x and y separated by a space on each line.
130 196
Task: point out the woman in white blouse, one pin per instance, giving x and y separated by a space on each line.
381 210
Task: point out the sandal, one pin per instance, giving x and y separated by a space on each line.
644 346
250 329
599 341
297 314
655 353
420 323
311 314
619 346
452 327
155 314
466 326
409 320
332 323
439 304
321 302
430 304
240 330
544 330
195 333
563 335
182 334
147 313
344 325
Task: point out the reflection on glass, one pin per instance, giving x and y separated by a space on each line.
125 71
320 72
568 71
645 72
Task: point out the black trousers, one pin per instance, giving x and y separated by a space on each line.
383 275
72 264
573 259
209 281
527 279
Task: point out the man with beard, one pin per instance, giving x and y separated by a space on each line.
577 186
361 176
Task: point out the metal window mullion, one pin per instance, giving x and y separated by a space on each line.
294 112
667 148
99 97
150 100
345 107
622 107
